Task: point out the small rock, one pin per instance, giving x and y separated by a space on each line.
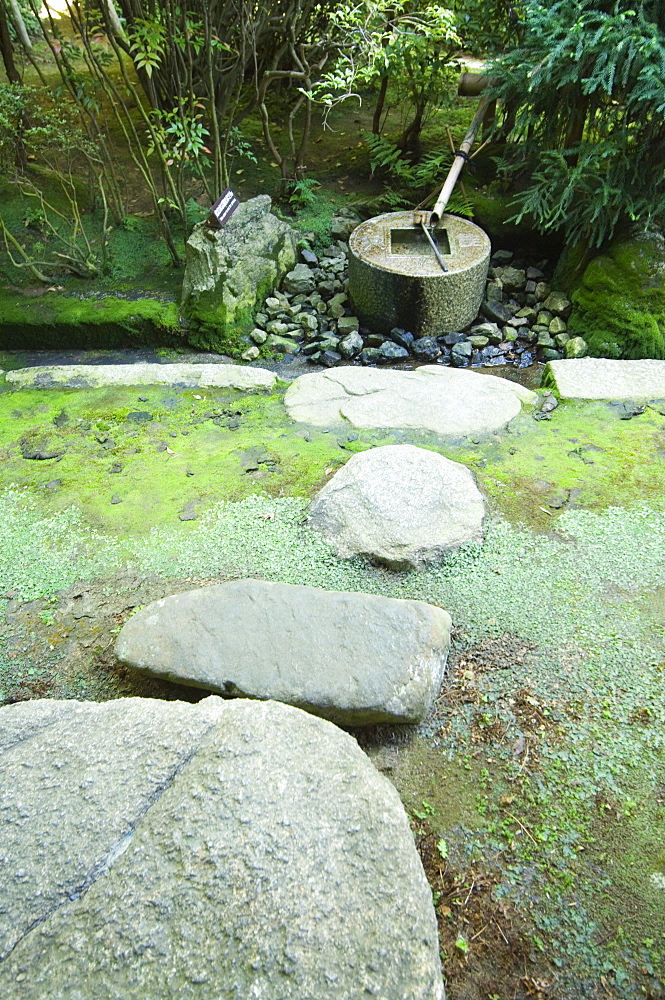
116 467
502 257
426 348
557 325
498 312
61 420
479 341
278 327
512 279
450 339
556 302
251 354
309 257
188 512
527 313
258 336
330 358
576 347
55 484
341 227
370 355
308 321
461 354
494 292
390 351
544 340
115 499
347 324
542 290
310 349
402 337
299 281
282 344
143 399
326 288
350 345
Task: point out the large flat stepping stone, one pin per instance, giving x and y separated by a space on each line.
93 376
399 505
448 401
604 378
239 849
353 658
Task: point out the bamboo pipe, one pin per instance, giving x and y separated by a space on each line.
461 155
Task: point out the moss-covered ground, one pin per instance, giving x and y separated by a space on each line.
537 785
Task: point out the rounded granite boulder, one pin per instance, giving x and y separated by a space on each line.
399 505
223 850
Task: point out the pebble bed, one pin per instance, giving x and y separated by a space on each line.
521 320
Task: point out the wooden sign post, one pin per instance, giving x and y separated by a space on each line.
223 209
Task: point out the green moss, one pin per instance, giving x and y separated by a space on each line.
585 448
209 434
620 302
215 325
52 321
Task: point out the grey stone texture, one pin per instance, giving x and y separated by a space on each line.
92 376
409 289
450 402
226 850
355 659
399 505
229 271
605 378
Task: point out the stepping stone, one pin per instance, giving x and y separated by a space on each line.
448 401
356 659
156 849
604 378
399 505
191 376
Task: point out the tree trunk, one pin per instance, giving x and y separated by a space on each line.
380 102
409 141
19 25
112 20
13 74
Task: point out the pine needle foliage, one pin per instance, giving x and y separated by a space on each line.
584 100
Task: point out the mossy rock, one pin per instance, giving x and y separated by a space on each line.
54 321
229 273
619 305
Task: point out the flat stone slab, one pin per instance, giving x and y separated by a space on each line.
399 505
157 849
353 658
191 376
605 378
451 402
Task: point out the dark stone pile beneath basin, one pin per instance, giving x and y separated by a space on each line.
521 320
